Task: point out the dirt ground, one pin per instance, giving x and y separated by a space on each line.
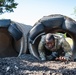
26 64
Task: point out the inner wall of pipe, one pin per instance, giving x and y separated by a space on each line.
8 46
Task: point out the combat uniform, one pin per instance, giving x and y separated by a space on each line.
61 48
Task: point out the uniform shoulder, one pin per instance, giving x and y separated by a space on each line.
43 38
60 35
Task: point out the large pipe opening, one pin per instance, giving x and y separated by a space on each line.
13 38
34 46
7 48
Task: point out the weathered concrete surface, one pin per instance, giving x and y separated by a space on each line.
25 29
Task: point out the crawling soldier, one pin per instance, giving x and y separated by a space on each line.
57 46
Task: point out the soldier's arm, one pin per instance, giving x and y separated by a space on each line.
67 50
53 56
41 50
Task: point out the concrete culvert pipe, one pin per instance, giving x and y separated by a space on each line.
51 24
12 41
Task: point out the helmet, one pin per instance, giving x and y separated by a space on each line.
49 37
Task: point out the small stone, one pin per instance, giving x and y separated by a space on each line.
16 67
7 69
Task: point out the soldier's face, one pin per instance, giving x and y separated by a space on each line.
50 44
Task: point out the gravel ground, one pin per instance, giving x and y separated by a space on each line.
26 64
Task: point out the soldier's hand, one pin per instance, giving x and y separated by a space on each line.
61 58
43 59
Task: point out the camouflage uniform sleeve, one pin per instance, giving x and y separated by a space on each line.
41 49
67 49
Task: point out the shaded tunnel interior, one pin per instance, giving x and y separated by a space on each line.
7 44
